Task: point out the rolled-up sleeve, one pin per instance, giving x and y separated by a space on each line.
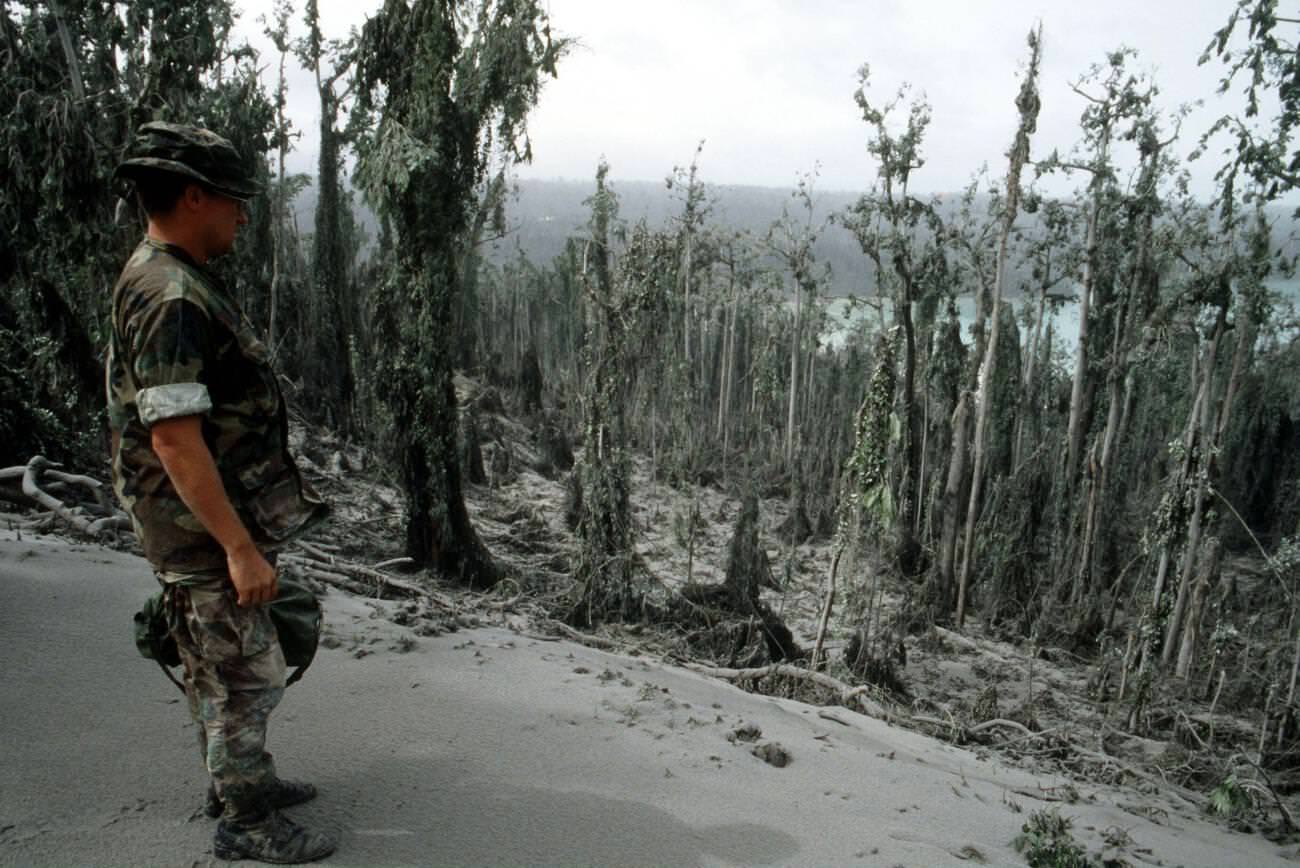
169 360
177 399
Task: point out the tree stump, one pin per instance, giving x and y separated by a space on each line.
530 381
471 452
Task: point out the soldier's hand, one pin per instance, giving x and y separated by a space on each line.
252 576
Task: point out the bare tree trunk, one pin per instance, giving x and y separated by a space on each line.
69 53
1295 657
277 225
1207 573
686 303
1097 480
1245 342
728 351
1028 383
1205 445
794 373
825 618
809 389
1166 550
1074 435
921 472
952 500
908 495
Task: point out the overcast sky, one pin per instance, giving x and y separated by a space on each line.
769 85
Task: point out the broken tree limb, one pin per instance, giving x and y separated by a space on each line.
334 579
829 604
585 638
317 551
369 581
1003 722
979 727
1268 789
846 694
111 522
1188 797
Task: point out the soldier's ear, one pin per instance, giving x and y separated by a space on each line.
194 198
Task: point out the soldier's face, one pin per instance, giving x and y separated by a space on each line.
224 215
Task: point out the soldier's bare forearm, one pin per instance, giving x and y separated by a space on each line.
185 456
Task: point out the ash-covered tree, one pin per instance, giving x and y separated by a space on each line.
891 225
1267 67
791 240
1027 103
443 91
627 302
76 80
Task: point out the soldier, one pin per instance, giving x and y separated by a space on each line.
201 463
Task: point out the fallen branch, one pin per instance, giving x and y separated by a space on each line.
582 638
958 639
1049 794
827 714
32 490
539 637
97 489
111 522
38 478
1187 796
374 581
966 731
1268 789
990 724
317 550
334 579
846 694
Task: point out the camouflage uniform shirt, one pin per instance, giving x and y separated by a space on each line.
181 346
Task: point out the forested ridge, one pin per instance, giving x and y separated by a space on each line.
1126 496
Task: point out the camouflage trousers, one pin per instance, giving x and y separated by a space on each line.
234 677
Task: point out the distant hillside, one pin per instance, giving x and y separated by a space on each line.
543 215
546 213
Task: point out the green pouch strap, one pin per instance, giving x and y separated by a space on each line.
297 616
295 612
154 640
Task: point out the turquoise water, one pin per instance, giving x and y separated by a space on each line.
844 315
1064 317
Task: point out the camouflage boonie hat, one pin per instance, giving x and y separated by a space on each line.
192 151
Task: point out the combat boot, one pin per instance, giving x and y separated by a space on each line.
274 838
280 794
